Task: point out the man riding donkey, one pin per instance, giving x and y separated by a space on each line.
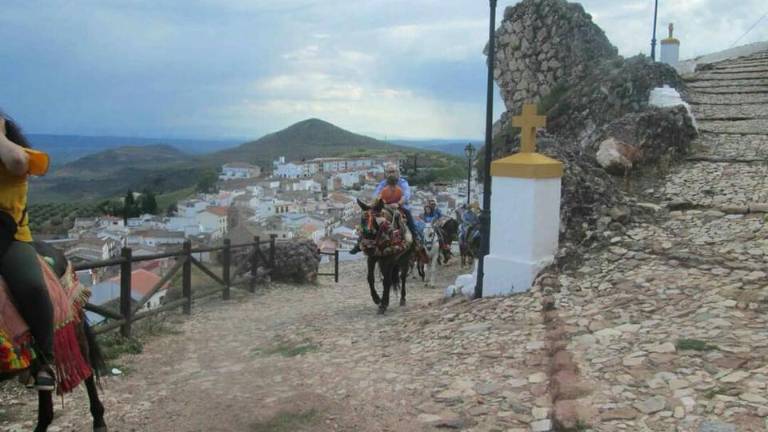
469 232
19 264
396 192
433 215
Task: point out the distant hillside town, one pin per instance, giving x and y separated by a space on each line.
314 199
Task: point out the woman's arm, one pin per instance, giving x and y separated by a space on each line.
12 155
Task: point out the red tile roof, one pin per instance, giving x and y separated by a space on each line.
220 211
142 281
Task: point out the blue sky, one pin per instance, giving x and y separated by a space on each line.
244 68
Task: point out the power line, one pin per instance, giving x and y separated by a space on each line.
750 29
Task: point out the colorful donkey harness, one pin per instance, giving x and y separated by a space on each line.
68 297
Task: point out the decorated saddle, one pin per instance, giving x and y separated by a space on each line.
68 297
385 232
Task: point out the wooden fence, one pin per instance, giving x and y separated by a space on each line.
130 312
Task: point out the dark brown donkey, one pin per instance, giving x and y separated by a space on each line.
386 241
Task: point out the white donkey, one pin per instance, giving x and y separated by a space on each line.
432 246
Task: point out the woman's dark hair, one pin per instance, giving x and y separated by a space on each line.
13 132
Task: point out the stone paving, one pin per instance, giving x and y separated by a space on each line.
669 323
745 111
731 146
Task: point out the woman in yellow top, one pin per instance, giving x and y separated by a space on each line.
18 259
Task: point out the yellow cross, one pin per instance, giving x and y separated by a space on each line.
529 121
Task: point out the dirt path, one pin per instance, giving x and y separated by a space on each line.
320 359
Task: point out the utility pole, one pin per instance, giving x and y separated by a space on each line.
485 214
653 36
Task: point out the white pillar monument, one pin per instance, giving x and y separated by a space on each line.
525 209
670 48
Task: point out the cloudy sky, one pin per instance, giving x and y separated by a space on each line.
243 68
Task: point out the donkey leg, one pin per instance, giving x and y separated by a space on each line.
403 278
372 280
44 410
387 273
97 408
433 269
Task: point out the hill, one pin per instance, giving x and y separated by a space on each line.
106 163
164 169
160 168
306 139
67 148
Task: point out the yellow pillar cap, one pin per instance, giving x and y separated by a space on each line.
527 165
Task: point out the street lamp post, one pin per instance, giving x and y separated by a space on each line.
653 36
469 151
485 214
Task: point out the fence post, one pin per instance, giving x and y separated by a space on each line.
226 258
125 291
186 277
336 265
255 263
272 238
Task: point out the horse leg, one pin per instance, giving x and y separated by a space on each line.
44 410
372 280
97 408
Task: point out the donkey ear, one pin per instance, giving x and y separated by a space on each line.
378 204
363 205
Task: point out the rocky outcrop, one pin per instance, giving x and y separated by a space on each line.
295 261
644 138
599 122
543 43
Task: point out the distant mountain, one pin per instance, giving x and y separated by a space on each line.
453 147
110 173
306 139
106 163
163 168
67 148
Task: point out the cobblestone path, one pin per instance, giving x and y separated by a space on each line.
669 326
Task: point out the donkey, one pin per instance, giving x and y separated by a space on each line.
87 346
469 244
432 246
449 232
387 241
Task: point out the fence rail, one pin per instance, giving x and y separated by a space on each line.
335 274
130 313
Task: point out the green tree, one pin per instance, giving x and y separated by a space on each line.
172 209
147 202
207 182
128 201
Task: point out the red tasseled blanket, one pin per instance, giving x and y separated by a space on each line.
68 298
